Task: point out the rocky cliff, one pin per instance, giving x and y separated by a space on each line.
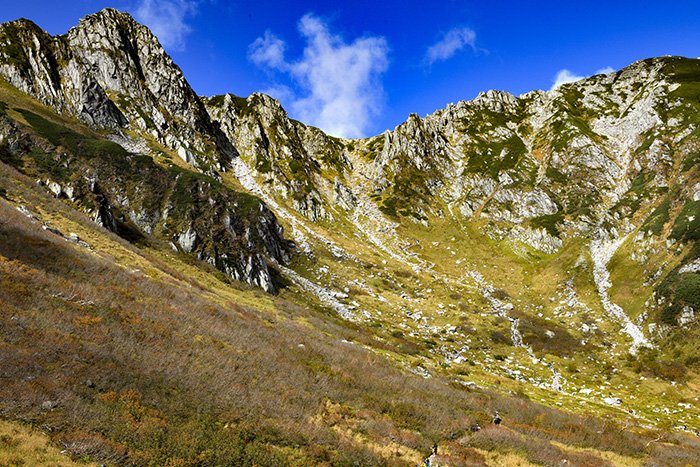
592 159
112 74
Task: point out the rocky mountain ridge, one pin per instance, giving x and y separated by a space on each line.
111 72
503 159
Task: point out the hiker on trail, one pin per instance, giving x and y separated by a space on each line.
497 419
433 452
475 427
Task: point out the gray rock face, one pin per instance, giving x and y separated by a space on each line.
134 197
187 240
687 316
286 155
128 61
344 196
46 68
690 267
111 72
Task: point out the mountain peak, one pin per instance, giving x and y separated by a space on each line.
112 72
111 28
110 15
22 23
16 32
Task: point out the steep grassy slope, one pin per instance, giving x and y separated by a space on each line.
547 239
123 358
138 354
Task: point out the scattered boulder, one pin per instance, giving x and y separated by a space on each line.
49 405
613 401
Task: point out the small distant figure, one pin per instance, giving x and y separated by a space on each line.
433 452
497 419
475 427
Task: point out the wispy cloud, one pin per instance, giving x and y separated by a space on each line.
567 76
605 71
450 43
267 50
167 20
338 83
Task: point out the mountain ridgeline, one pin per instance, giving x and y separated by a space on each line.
536 238
590 159
112 74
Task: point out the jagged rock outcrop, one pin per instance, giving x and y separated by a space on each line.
131 195
498 157
285 154
112 73
46 68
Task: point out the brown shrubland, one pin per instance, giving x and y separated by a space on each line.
133 367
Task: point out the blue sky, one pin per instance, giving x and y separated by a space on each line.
357 68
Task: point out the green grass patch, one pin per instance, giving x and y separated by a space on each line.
688 290
658 218
78 144
216 101
262 163
13 49
555 175
690 161
548 222
687 224
685 72
679 291
651 362
633 198
491 158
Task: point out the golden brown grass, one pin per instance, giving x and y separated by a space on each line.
137 356
24 446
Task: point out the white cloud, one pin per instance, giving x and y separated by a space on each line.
566 76
267 51
451 43
563 77
166 18
338 82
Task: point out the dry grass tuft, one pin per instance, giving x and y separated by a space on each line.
23 446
